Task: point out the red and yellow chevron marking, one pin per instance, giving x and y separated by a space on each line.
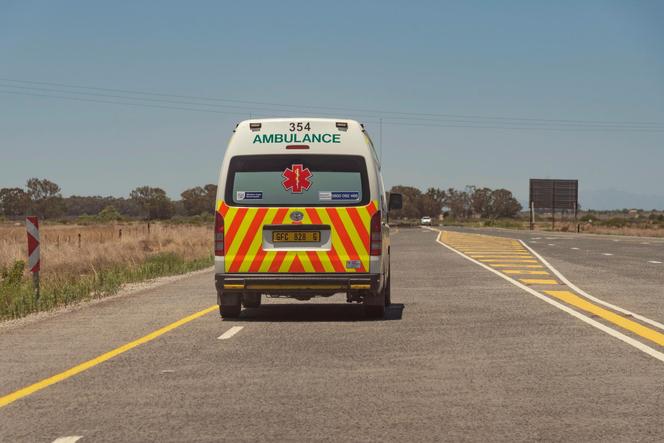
349 227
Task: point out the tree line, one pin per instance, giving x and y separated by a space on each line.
472 202
43 198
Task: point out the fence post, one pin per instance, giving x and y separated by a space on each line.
79 240
34 262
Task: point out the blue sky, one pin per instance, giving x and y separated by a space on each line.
566 64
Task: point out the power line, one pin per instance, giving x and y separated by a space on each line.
372 111
139 102
143 99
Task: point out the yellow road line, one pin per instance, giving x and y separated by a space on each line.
525 271
518 257
24 392
508 264
630 325
504 260
538 281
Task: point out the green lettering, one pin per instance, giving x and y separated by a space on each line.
329 137
315 138
278 138
306 139
257 139
268 138
336 138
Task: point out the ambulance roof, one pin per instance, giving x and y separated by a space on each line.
300 135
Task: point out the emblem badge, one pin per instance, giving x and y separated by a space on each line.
296 216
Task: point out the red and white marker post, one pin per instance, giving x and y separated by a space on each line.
34 262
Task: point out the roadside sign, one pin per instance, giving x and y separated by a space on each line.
34 262
553 194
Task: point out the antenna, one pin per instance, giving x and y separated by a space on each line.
380 139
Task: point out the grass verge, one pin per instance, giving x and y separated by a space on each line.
17 297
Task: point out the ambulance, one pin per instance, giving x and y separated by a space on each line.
302 212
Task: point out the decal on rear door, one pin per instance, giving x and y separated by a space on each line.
296 179
348 251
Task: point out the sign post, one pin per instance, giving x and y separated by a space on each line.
34 263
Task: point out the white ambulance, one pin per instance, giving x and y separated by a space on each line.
302 212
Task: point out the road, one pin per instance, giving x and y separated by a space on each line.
466 352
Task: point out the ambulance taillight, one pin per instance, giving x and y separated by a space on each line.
376 238
218 235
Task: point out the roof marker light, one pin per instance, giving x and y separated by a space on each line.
297 147
254 125
342 125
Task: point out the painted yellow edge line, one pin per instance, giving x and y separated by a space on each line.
632 326
538 281
24 392
520 271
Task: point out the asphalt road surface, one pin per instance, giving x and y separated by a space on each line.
484 341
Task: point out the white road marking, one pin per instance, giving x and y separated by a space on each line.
645 243
612 332
533 241
70 439
552 238
537 238
231 332
616 241
590 297
551 244
655 262
606 253
576 249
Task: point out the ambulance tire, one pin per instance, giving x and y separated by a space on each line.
251 300
230 306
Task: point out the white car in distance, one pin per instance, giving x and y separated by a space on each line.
426 220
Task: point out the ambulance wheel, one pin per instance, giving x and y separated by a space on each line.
251 300
229 306
230 311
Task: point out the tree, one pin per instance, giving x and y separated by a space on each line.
13 202
504 205
456 202
199 200
411 197
432 202
480 201
109 213
45 198
153 201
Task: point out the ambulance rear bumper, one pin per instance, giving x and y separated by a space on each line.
338 282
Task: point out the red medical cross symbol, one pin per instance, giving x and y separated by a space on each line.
296 178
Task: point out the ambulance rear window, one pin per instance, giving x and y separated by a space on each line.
297 180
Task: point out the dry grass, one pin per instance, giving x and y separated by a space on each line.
636 232
101 245
102 263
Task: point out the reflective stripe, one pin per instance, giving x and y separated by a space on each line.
349 237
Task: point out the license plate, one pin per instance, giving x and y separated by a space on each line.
295 236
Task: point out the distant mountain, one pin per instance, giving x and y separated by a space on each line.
614 199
